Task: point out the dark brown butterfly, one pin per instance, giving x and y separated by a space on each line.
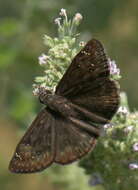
67 128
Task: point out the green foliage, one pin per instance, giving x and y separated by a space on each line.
22 22
70 177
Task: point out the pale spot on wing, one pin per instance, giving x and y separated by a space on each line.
79 65
85 53
92 65
18 156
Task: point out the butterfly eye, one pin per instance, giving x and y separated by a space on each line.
42 96
41 100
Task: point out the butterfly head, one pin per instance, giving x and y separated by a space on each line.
44 94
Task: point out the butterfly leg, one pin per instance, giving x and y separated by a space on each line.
89 115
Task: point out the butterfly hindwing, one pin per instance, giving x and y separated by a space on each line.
72 142
50 138
36 149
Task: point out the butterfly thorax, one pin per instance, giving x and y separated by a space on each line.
56 103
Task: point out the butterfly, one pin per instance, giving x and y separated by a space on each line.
67 128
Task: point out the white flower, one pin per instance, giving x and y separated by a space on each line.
43 59
36 92
54 89
57 21
82 44
107 126
78 17
133 166
113 67
135 147
128 128
122 110
63 12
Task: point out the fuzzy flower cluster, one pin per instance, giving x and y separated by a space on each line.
77 18
116 151
61 51
67 27
123 110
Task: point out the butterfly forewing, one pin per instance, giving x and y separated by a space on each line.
36 150
88 65
87 81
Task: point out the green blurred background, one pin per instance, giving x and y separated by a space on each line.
22 25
